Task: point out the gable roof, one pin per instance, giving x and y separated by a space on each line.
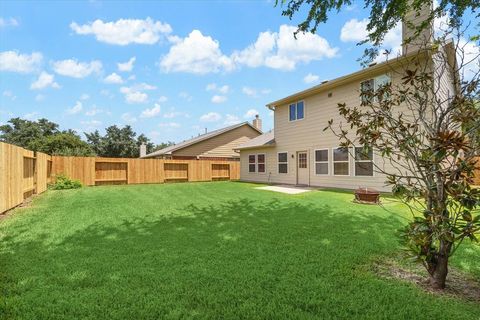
265 140
202 137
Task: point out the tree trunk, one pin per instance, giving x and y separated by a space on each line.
439 275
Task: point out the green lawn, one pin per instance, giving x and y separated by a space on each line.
209 250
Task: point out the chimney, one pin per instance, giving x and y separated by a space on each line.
206 130
143 150
413 19
257 123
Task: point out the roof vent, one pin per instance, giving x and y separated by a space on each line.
372 64
324 81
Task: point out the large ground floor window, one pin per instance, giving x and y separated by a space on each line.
363 162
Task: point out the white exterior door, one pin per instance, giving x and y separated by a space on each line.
302 168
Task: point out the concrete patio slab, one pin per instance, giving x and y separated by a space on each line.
286 189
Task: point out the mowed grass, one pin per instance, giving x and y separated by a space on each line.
210 251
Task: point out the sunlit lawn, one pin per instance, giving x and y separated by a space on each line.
209 250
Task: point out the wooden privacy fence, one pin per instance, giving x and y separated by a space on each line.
101 171
22 173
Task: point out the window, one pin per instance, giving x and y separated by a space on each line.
282 162
251 163
369 87
296 111
321 162
302 160
340 162
261 163
363 162
367 91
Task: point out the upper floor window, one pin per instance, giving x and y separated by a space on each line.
296 111
369 87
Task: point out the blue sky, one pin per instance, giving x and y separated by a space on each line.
169 69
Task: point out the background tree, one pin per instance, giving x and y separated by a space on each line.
44 136
384 15
118 142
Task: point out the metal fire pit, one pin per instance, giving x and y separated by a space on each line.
367 195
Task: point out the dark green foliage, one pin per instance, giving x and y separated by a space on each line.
44 136
219 250
62 182
118 142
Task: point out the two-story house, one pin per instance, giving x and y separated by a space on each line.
299 152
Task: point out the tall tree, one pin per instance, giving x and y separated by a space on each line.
118 142
384 15
44 136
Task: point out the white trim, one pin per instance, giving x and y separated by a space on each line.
278 171
315 162
347 161
365 161
295 103
264 163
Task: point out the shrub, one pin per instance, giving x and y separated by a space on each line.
63 182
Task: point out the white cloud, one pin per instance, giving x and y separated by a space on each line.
90 125
78 107
175 114
126 66
45 80
135 94
280 50
152 112
252 92
73 68
468 54
93 111
113 79
31 115
171 125
251 113
356 30
39 97
124 31
310 78
127 117
84 97
210 117
162 99
222 89
185 95
17 62
9 94
196 54
8 22
231 119
219 99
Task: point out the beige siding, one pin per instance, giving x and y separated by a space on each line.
222 145
308 135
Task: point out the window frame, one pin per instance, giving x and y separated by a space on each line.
264 162
366 161
375 85
278 163
347 161
296 110
327 162
254 163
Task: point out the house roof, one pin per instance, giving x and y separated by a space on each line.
265 140
358 75
186 143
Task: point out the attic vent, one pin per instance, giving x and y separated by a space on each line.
330 94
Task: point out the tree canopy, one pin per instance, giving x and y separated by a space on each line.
384 15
